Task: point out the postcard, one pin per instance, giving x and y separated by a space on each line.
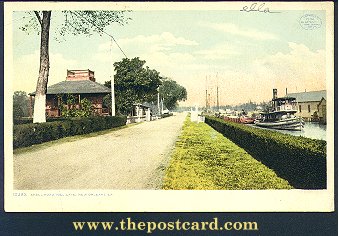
169 107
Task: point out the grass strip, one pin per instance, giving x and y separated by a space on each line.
203 159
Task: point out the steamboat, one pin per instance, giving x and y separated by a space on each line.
281 115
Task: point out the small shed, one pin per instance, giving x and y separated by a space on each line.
139 113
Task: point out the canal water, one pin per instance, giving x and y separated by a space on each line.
311 130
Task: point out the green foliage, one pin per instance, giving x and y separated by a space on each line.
76 22
86 108
26 120
20 104
20 121
90 22
301 161
71 108
133 84
107 101
30 23
172 92
29 134
204 159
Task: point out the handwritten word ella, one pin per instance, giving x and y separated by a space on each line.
258 8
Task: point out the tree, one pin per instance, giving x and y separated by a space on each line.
133 84
76 22
20 104
171 92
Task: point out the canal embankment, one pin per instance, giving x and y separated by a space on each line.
203 159
299 160
313 130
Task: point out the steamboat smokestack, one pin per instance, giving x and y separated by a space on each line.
275 93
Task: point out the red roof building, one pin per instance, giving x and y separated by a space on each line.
81 84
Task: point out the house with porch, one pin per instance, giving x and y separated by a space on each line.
311 105
79 83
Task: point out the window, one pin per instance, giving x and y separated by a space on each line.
309 108
299 108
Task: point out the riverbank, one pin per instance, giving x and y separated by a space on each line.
204 159
302 161
310 130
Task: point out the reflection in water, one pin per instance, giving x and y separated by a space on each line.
311 130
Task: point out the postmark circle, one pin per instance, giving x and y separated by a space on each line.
310 22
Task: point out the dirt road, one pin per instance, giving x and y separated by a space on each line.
130 158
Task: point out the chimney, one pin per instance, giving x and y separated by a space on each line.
76 75
275 93
286 91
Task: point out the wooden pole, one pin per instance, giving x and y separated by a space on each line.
206 95
112 83
217 94
30 106
159 113
113 96
217 99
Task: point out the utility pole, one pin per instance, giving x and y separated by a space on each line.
112 83
217 93
159 113
113 95
162 106
206 95
217 99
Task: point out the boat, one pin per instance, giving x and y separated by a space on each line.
282 115
246 119
232 118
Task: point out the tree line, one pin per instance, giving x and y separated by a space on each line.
134 83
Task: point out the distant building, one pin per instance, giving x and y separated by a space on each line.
81 84
311 105
139 113
259 108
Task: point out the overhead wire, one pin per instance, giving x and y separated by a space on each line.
102 31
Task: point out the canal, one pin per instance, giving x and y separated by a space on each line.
311 130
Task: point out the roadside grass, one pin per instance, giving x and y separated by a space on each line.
68 139
203 159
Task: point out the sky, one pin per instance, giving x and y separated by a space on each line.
245 54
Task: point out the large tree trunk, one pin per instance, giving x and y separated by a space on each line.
41 87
